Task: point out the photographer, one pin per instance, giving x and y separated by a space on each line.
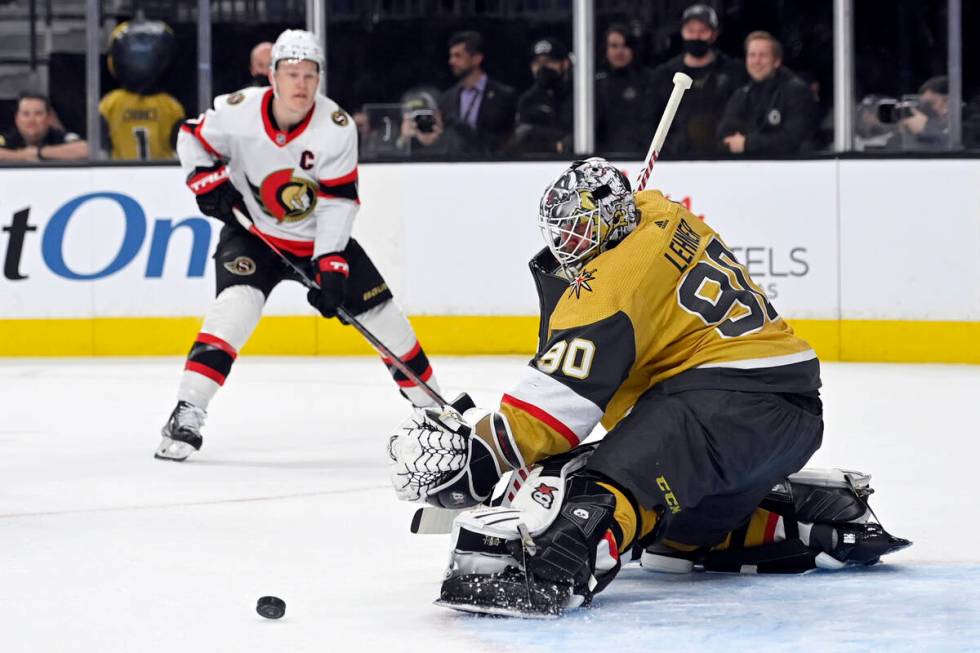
915 123
423 133
928 123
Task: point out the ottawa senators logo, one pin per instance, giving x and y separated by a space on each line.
242 266
284 196
544 494
339 118
236 98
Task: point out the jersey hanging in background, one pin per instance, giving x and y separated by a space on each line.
141 127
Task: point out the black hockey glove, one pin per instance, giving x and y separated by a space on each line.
331 274
216 195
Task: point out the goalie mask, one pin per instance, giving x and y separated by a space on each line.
584 212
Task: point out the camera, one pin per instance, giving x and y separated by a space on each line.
890 110
425 120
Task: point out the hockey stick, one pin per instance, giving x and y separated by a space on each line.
249 226
682 82
431 520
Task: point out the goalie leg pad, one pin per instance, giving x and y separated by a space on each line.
539 556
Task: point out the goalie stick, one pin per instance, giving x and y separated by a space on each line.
682 82
250 227
431 520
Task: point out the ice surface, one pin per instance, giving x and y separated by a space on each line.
103 548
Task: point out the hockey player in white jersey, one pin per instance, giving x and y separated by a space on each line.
286 156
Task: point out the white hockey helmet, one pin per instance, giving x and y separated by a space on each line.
297 45
585 211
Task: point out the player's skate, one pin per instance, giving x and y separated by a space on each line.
182 432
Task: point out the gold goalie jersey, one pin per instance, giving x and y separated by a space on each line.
669 308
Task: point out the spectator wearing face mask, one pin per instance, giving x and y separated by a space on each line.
715 77
545 111
258 64
624 97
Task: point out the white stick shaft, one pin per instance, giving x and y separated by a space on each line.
681 83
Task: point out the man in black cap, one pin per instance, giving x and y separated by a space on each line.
715 76
479 111
624 97
545 111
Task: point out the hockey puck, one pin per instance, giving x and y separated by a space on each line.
271 607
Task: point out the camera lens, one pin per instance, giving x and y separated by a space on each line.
425 122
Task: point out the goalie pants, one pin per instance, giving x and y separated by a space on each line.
707 458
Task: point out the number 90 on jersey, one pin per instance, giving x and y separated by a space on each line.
574 358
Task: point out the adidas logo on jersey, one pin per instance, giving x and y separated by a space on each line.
661 223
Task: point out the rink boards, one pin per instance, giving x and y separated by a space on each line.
869 260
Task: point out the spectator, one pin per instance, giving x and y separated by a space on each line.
140 120
35 138
624 97
545 111
927 124
715 76
774 112
258 63
478 110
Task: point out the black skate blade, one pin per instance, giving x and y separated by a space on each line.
494 611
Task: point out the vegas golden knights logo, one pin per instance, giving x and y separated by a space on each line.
284 196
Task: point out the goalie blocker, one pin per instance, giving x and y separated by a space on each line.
554 547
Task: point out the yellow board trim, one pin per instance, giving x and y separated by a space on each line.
834 340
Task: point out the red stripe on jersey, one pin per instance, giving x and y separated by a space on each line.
207 146
771 524
408 383
613 549
297 247
215 341
277 136
544 417
204 370
350 177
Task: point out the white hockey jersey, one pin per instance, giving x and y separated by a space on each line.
300 186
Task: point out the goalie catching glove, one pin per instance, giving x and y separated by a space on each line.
449 459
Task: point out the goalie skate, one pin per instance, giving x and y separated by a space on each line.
182 433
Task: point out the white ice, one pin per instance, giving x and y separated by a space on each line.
103 548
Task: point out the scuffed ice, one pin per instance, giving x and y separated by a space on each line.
105 549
